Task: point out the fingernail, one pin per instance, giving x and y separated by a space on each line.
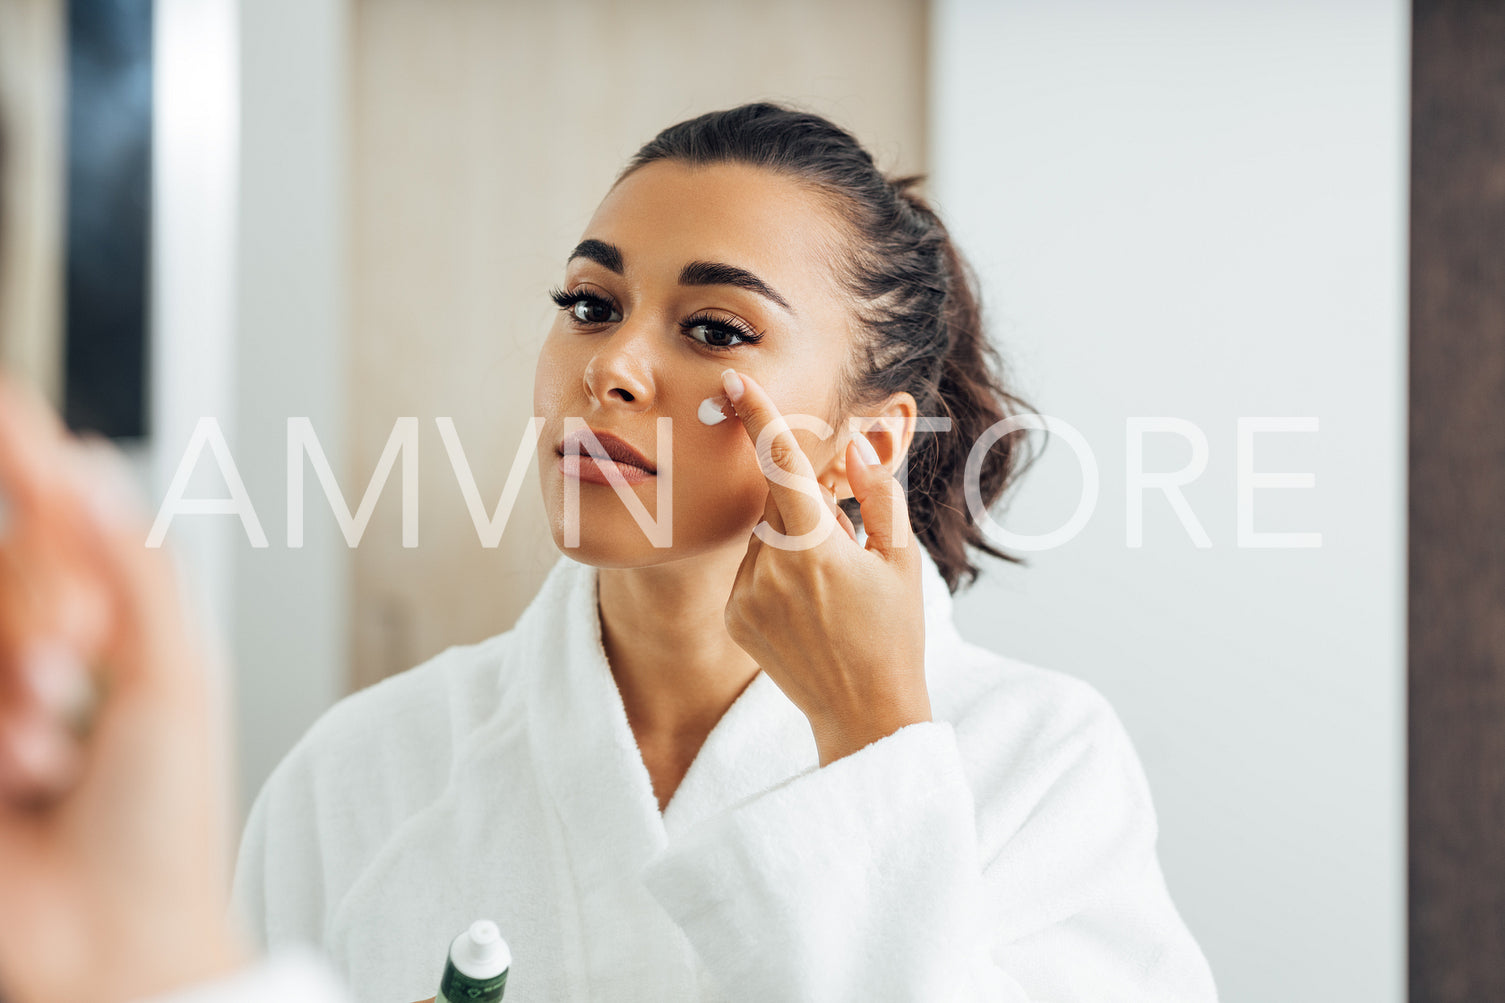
733 384
710 412
41 752
57 677
865 449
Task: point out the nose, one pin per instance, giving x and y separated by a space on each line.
621 370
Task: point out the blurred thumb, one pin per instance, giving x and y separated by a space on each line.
144 583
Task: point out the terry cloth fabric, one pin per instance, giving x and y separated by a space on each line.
1004 851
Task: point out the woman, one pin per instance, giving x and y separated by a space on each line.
749 757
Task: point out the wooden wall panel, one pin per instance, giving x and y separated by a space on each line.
1457 504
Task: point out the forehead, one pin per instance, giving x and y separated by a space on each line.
667 213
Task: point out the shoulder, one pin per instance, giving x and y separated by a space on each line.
980 690
407 726
1066 824
1010 716
1044 749
374 759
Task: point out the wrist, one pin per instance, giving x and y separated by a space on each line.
836 738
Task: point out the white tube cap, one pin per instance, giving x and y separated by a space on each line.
480 952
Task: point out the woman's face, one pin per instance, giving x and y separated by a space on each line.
645 339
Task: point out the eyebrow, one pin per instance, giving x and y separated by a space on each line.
696 273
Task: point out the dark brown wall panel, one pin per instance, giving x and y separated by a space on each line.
1457 503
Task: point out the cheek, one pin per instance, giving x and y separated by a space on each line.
718 486
550 377
719 466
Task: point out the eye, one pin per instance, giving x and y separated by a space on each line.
584 307
587 309
717 334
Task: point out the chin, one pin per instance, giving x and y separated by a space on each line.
615 541
602 553
610 537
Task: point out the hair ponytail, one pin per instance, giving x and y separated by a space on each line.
921 327
969 389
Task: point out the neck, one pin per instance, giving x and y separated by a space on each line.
664 631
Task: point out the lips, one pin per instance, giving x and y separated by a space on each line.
620 450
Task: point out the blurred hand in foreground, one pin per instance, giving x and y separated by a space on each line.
115 790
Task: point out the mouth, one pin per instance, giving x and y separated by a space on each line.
575 458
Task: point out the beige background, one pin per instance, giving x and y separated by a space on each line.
483 135
31 92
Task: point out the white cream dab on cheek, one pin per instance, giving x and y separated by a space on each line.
710 410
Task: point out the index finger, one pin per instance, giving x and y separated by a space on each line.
791 478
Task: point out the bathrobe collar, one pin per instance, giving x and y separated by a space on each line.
588 757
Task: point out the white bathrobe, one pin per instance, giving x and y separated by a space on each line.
1004 851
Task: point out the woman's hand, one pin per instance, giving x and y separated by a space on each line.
114 849
840 627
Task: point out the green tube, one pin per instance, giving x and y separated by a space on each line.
476 969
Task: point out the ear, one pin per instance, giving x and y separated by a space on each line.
890 429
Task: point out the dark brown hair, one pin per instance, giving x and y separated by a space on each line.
917 302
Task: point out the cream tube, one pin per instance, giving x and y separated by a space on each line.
476 969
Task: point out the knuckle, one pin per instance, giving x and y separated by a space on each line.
783 454
737 623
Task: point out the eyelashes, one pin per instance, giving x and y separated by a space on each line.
568 301
718 327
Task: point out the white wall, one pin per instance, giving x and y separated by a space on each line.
195 146
248 330
290 633
1198 210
